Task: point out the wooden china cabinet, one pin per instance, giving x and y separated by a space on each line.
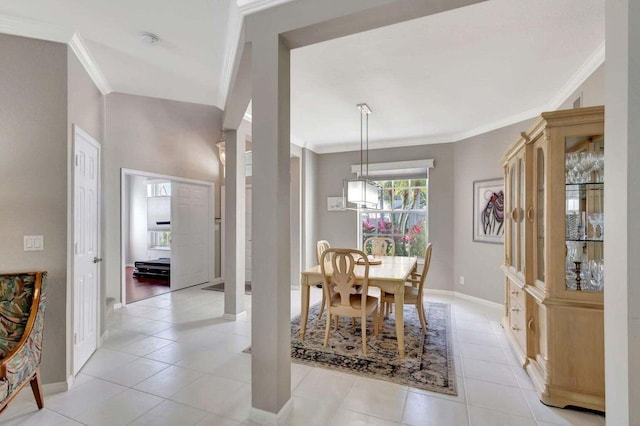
554 267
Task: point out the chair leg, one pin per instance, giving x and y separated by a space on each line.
327 329
364 335
337 319
381 309
36 387
322 306
353 321
423 321
376 323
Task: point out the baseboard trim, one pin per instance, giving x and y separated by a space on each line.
217 280
57 387
103 337
478 300
235 317
271 419
117 306
464 296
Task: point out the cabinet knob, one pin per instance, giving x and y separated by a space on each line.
515 310
514 214
515 292
515 328
530 214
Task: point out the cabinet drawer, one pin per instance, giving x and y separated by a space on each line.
517 324
516 293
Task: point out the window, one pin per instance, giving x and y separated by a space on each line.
162 189
402 216
159 239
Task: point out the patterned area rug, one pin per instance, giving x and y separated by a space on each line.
428 362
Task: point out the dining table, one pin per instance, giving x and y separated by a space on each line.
389 276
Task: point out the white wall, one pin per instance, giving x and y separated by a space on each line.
137 215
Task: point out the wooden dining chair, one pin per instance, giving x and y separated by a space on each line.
412 292
380 246
339 287
321 247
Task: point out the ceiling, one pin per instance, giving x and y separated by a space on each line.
435 79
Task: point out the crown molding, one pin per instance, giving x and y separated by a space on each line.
596 59
44 31
591 64
234 30
86 59
34 29
248 7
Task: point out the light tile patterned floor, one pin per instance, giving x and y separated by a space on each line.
172 360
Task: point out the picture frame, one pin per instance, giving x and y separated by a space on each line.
488 211
336 204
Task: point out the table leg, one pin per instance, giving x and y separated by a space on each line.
398 298
305 305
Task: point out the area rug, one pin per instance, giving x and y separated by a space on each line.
428 362
220 287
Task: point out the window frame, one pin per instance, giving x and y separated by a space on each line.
381 212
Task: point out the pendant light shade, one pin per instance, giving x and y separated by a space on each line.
360 192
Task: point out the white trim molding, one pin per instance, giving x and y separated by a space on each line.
396 167
591 64
89 63
271 419
34 29
45 31
463 296
235 317
248 7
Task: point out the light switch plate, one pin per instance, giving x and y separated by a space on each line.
33 242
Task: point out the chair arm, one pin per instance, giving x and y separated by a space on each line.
13 358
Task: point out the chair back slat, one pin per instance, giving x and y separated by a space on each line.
321 247
342 279
425 269
380 246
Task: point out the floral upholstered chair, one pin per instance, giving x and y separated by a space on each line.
22 303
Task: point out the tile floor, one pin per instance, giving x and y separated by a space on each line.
172 360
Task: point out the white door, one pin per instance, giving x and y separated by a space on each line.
247 228
86 254
190 235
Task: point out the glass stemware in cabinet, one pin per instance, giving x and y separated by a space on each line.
597 221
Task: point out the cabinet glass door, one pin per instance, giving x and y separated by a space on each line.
521 221
584 218
539 228
513 187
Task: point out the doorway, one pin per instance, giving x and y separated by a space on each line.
167 234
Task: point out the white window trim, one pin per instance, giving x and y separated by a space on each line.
397 167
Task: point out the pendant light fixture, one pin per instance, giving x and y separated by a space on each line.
360 192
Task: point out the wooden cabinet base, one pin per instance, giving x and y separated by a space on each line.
559 397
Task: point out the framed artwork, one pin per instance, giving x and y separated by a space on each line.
488 211
336 204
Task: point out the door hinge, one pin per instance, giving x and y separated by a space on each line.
75 338
76 159
75 248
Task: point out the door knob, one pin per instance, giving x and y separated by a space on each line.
97 259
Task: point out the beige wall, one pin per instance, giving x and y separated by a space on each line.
157 136
340 228
479 263
33 164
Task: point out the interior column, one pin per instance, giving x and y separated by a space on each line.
271 310
621 207
235 226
